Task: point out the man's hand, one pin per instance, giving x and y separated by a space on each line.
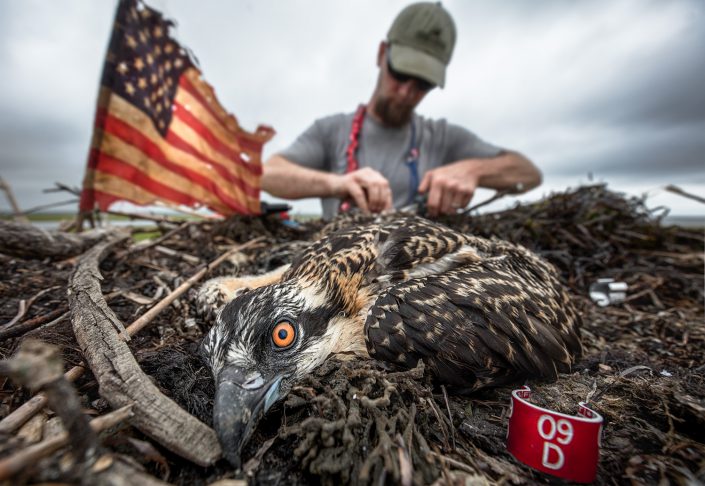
368 188
449 188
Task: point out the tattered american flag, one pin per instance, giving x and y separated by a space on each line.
160 133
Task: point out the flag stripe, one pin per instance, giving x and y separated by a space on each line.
122 170
191 103
181 113
183 152
118 143
200 173
200 149
110 188
250 142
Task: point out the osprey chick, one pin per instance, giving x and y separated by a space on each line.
478 312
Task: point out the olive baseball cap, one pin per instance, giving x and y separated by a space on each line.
421 41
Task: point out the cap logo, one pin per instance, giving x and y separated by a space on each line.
431 37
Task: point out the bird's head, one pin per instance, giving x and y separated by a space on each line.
263 341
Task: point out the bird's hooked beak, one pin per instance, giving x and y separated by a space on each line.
241 399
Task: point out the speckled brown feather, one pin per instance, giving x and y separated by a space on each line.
348 261
479 312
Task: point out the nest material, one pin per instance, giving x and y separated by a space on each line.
353 422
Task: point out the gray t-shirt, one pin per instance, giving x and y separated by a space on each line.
324 144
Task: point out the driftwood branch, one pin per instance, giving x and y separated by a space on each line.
29 241
119 376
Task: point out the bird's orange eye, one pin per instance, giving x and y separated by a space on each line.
283 335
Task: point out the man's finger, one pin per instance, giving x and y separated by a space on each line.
465 199
358 195
425 182
374 197
387 196
434 200
447 202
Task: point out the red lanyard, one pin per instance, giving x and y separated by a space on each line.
355 131
351 153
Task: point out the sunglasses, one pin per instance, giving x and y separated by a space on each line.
421 84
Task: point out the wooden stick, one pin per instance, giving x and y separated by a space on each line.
681 192
148 217
24 412
15 330
21 311
47 206
158 241
13 202
497 195
26 304
15 463
193 260
30 241
450 416
453 462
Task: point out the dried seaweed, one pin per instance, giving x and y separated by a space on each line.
353 422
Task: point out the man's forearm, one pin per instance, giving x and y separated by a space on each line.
282 178
508 171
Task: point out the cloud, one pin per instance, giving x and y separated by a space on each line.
609 88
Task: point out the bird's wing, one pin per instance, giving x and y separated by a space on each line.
485 323
383 247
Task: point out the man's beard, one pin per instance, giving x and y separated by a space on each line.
393 114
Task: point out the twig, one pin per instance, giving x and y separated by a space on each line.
156 219
406 468
27 410
63 187
450 415
173 253
18 216
158 241
21 311
26 304
681 192
47 206
15 463
30 241
497 195
453 462
53 317
439 417
38 366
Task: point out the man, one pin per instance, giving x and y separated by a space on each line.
384 154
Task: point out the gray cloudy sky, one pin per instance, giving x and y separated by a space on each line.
609 88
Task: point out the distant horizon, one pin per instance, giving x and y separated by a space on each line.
688 219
